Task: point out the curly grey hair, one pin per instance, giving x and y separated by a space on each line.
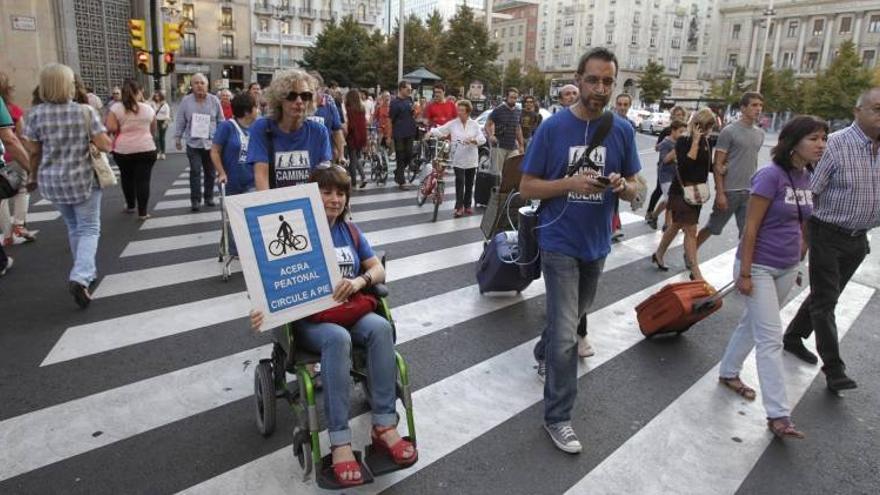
282 84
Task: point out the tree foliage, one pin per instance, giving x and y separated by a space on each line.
339 52
513 74
654 83
731 91
466 53
837 88
534 82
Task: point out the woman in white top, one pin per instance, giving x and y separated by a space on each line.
466 139
163 119
134 150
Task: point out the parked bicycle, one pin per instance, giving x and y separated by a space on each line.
433 185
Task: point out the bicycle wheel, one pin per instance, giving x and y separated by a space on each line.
425 189
277 248
299 242
438 198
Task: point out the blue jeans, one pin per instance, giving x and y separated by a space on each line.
333 342
761 327
571 286
83 222
200 162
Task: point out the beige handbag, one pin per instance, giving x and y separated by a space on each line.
100 163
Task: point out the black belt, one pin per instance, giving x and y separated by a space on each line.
839 229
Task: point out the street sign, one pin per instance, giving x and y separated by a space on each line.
286 252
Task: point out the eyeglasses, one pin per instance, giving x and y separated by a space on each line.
305 96
608 82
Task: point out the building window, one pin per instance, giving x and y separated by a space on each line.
284 27
845 25
188 12
637 16
503 32
567 41
653 21
868 58
189 45
792 29
362 12
735 34
566 60
307 28
611 17
510 46
818 27
609 38
226 18
811 61
678 23
590 20
227 46
589 39
874 24
264 25
653 42
634 40
519 46
787 60
496 33
676 42
521 29
731 61
568 22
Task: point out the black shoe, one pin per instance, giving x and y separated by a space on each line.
799 350
194 207
660 266
839 381
80 294
210 203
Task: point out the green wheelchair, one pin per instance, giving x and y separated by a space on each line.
270 383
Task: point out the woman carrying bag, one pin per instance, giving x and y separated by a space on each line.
689 190
58 136
767 263
163 120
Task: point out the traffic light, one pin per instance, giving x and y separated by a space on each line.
138 30
169 63
143 62
171 36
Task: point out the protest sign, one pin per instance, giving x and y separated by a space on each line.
286 252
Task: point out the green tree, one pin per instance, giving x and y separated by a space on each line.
837 88
654 83
731 93
419 47
534 82
787 91
380 61
466 52
339 52
513 74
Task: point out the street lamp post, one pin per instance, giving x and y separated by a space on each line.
401 21
279 16
768 13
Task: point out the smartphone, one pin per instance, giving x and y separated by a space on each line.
604 180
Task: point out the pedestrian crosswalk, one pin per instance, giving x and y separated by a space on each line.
191 424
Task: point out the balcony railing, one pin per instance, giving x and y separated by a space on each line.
288 62
227 54
308 13
264 8
298 39
189 51
264 61
325 14
226 26
265 37
368 19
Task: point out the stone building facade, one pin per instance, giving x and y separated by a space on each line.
517 38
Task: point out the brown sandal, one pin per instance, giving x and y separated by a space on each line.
739 387
784 428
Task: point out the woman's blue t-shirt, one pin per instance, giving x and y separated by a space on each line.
579 225
296 153
348 256
239 173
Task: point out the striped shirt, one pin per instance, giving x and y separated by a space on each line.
65 173
846 182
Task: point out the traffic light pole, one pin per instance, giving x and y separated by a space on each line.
155 53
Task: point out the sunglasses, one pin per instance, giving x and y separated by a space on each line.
304 96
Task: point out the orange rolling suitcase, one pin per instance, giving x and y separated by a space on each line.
676 307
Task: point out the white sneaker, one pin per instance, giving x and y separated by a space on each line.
564 438
585 350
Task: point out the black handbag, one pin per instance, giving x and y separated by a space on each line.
12 178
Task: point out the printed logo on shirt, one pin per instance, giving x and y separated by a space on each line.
316 118
284 234
345 259
291 167
596 163
804 197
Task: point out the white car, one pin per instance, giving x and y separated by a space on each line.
637 116
655 123
483 117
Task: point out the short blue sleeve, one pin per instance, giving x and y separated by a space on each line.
336 122
223 133
257 144
325 152
365 251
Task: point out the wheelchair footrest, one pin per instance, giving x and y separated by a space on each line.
381 463
326 478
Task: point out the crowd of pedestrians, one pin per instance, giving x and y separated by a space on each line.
817 197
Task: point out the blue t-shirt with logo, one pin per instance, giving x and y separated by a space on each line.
296 153
349 254
239 173
579 225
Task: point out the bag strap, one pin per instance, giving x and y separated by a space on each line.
270 153
605 123
355 235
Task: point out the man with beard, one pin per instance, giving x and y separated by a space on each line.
575 220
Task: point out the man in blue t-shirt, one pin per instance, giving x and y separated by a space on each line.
575 223
404 130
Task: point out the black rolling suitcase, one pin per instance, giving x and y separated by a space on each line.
483 185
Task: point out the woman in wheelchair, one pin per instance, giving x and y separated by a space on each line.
360 269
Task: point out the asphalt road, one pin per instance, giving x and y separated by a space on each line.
150 389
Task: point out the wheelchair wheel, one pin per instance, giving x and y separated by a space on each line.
302 450
264 395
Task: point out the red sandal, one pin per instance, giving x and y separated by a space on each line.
396 451
350 467
784 428
738 386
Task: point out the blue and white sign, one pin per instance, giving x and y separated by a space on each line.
286 251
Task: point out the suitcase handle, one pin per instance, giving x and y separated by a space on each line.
708 303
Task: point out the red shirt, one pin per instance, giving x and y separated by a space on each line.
227 109
16 113
440 113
